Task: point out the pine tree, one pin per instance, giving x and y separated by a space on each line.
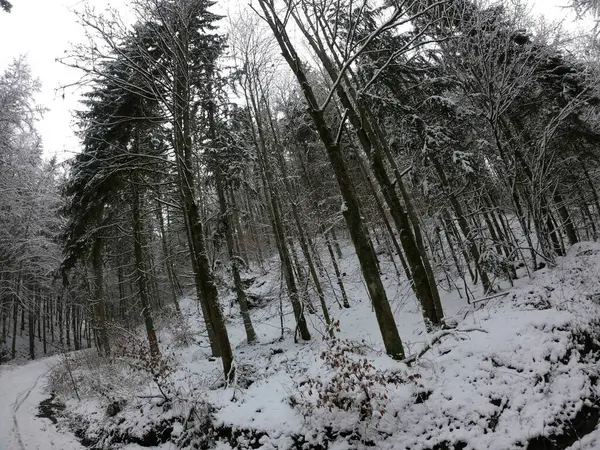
5 5
114 161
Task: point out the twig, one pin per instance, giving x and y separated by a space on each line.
501 294
411 359
71 376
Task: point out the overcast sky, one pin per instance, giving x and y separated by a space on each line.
43 29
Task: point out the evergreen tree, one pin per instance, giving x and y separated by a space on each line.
5 5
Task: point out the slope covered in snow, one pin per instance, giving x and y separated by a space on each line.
517 371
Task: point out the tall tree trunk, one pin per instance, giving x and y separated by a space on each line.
304 246
336 242
99 301
22 320
4 309
140 267
237 230
351 212
31 323
463 223
167 255
38 315
284 254
370 139
450 231
68 324
59 312
234 262
74 313
338 274
121 285
15 305
384 218
591 226
45 323
565 218
203 276
53 314
592 188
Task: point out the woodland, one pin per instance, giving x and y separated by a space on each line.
354 155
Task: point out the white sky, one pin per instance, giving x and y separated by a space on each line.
43 29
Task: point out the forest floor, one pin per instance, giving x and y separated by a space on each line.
22 389
517 371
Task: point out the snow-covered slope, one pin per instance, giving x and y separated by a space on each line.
518 371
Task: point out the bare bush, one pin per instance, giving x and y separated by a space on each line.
353 383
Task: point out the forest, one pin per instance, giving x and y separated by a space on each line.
319 224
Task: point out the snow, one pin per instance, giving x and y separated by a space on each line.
21 391
514 367
464 160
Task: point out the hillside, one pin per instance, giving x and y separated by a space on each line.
516 371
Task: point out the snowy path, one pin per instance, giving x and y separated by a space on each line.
21 391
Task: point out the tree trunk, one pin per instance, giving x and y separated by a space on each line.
68 324
304 246
45 323
31 323
338 275
15 305
238 232
99 303
140 267
284 254
234 262
464 226
59 313
336 242
309 261
351 212
203 276
369 137
167 255
384 218
74 325
565 218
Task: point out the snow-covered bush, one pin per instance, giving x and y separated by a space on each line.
531 297
497 264
159 367
352 383
181 333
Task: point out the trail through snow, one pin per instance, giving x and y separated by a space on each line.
21 391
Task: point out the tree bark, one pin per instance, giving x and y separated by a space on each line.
140 267
284 254
338 275
99 302
233 258
373 146
350 209
203 276
565 218
465 228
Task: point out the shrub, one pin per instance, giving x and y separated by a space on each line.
353 383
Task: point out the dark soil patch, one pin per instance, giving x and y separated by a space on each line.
51 408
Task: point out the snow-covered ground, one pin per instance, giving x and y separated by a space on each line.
518 371
22 388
